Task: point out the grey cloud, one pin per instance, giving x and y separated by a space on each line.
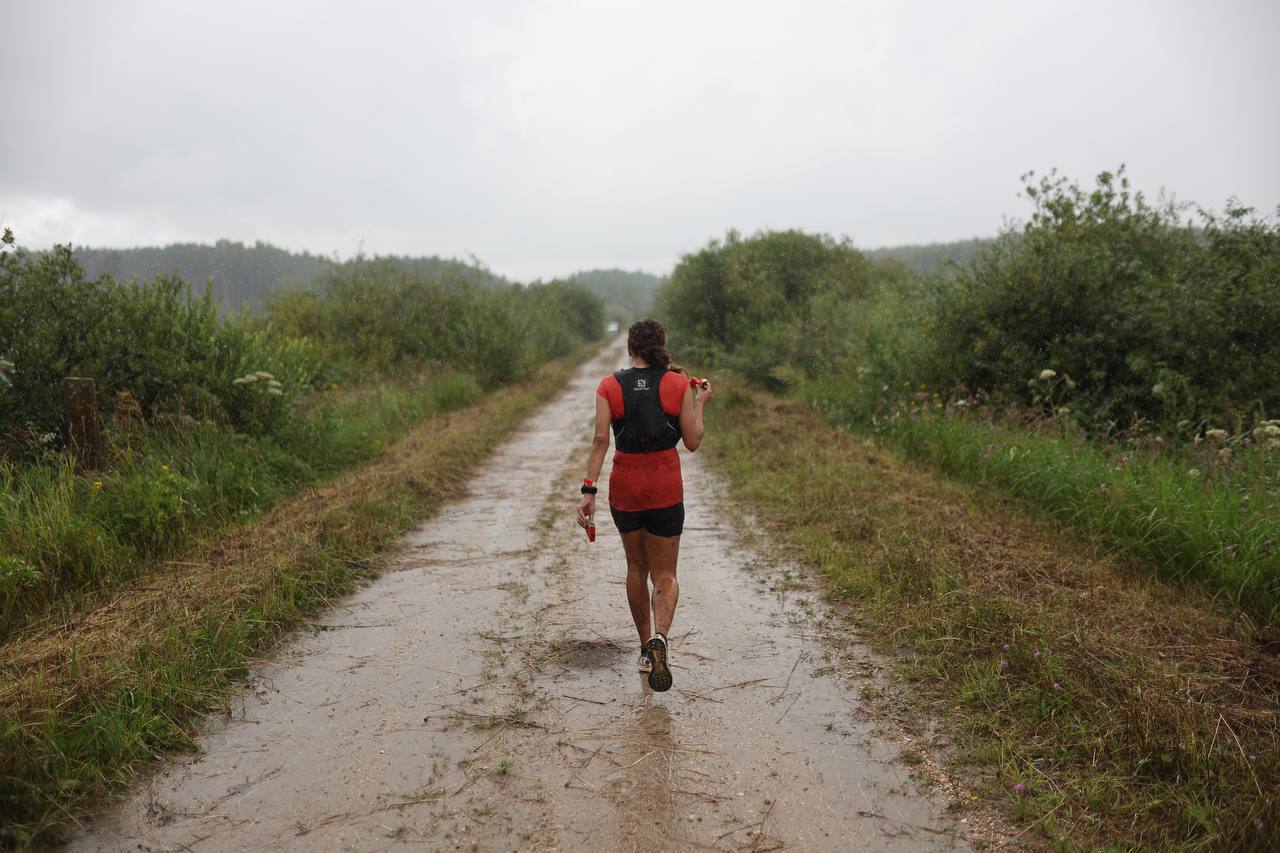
550 136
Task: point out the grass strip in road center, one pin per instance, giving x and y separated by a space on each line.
1094 702
86 702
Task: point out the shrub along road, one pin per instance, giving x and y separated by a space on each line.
483 691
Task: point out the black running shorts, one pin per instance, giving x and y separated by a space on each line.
668 521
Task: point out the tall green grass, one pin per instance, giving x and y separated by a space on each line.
1194 514
66 534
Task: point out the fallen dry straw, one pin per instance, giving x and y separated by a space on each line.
50 666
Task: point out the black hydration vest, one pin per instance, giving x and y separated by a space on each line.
644 427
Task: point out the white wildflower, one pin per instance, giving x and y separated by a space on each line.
1048 373
1215 434
1193 472
1158 389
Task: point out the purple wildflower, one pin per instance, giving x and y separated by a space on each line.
1037 653
1231 549
1005 647
1019 788
1004 664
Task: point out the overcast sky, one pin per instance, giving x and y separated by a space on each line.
553 136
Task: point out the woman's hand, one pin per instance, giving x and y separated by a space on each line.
586 509
704 392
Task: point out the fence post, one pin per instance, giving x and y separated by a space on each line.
80 417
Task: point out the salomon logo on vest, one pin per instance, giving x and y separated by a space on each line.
644 427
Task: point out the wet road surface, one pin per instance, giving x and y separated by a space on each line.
482 694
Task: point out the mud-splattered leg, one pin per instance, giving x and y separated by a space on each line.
638 583
660 555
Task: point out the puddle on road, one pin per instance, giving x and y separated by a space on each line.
484 696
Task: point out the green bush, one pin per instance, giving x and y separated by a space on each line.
778 304
168 352
156 341
1152 319
377 316
211 419
1030 368
149 509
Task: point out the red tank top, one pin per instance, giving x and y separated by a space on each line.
641 481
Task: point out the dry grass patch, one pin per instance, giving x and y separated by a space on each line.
1132 712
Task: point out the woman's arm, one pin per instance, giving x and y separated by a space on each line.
599 447
691 428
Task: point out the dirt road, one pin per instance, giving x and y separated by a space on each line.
482 694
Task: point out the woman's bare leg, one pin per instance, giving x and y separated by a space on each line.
638 583
661 553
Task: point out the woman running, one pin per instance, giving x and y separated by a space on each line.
650 406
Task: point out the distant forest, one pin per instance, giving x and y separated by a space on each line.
627 296
245 276
929 258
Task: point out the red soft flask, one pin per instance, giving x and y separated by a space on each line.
591 530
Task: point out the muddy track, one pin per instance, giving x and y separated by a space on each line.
482 694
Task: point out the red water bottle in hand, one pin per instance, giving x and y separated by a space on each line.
591 529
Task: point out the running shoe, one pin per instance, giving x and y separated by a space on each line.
660 675
645 664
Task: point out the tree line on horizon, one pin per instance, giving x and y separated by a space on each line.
241 275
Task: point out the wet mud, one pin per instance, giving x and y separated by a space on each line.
483 694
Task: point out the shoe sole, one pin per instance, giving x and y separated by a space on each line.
660 675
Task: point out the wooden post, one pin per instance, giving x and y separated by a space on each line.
84 429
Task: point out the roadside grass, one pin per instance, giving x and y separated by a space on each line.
1132 712
90 698
69 537
1206 513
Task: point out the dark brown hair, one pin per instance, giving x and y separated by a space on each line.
648 340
